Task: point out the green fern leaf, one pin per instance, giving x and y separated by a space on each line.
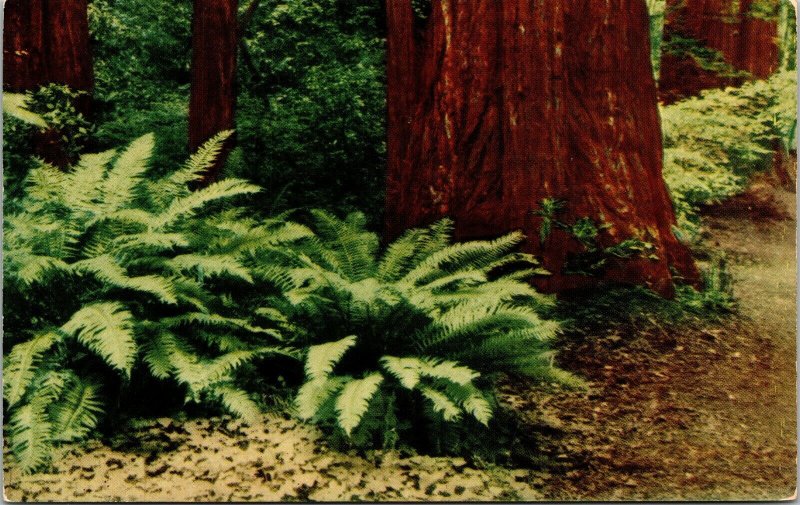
237 402
406 370
441 403
106 328
211 265
353 248
472 401
82 187
16 105
76 413
34 268
191 203
21 364
119 185
30 435
199 162
353 401
322 358
314 393
105 268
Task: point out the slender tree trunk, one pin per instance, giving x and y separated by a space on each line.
742 35
495 106
47 41
213 92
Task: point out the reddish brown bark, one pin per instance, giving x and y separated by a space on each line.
47 41
746 41
495 106
213 92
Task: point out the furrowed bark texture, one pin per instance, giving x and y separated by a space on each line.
743 32
213 92
47 41
494 106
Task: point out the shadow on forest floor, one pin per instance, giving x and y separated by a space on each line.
696 410
699 410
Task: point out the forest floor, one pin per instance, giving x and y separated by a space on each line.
701 410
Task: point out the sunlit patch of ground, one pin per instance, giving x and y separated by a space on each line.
224 460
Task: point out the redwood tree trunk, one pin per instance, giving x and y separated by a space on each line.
213 91
47 41
495 106
743 32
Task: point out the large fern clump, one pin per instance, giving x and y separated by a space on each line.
114 278
402 342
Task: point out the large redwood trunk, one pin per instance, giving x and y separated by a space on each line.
213 92
495 106
47 41
746 38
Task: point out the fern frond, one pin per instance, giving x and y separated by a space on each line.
466 255
127 172
353 249
211 265
200 373
45 184
30 433
21 365
236 402
399 256
83 188
106 269
216 320
314 393
323 357
191 203
353 401
33 268
156 240
471 400
16 105
106 328
76 413
441 403
199 162
406 370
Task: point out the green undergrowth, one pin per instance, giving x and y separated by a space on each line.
128 293
715 143
637 306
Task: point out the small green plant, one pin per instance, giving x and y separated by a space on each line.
114 278
56 104
716 295
402 341
594 258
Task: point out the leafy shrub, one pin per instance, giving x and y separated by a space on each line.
112 277
713 143
314 67
46 115
413 337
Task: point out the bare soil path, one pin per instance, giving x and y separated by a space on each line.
703 412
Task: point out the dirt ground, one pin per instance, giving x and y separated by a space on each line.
707 413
